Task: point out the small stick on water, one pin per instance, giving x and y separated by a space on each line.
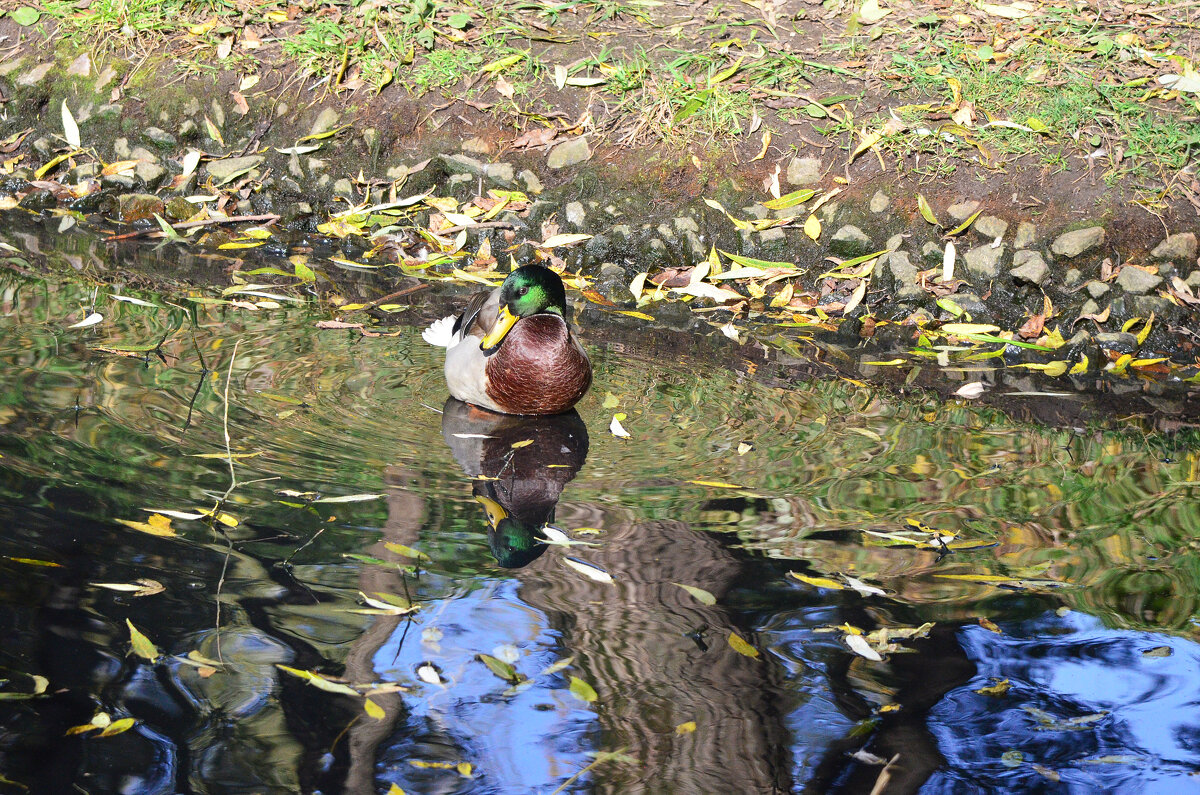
233 219
232 486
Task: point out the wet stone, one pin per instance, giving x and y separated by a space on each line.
1073 277
1137 281
575 214
962 210
139 207
1072 244
804 171
43 145
81 66
119 181
150 173
1089 307
983 262
1193 279
370 137
9 67
85 170
530 180
463 164
849 241
973 305
1176 248
1097 289
932 253
191 107
294 212
568 153
296 171
500 173
904 275
1026 235
222 169
756 211
343 187
326 121
159 137
622 230
35 75
991 226
894 242
685 224
879 202
1030 267
187 128
773 235
477 146
179 209
1143 305
1119 341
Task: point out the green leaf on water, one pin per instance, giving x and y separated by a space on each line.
500 668
406 551
582 690
142 646
702 596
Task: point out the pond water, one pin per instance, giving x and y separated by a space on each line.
1043 634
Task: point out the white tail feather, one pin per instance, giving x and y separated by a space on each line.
440 332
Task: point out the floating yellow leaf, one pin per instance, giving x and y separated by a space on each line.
156 525
686 728
1080 367
1050 368
374 710
818 582
142 646
715 483
582 690
701 595
740 645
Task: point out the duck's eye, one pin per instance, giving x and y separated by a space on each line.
523 291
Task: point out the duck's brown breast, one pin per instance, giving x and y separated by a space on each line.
539 368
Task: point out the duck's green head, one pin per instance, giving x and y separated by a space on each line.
529 290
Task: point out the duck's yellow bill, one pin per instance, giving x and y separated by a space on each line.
503 324
495 513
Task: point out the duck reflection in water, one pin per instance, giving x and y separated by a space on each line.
520 466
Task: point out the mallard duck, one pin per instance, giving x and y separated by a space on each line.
518 487
511 350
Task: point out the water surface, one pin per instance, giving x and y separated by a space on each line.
729 484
